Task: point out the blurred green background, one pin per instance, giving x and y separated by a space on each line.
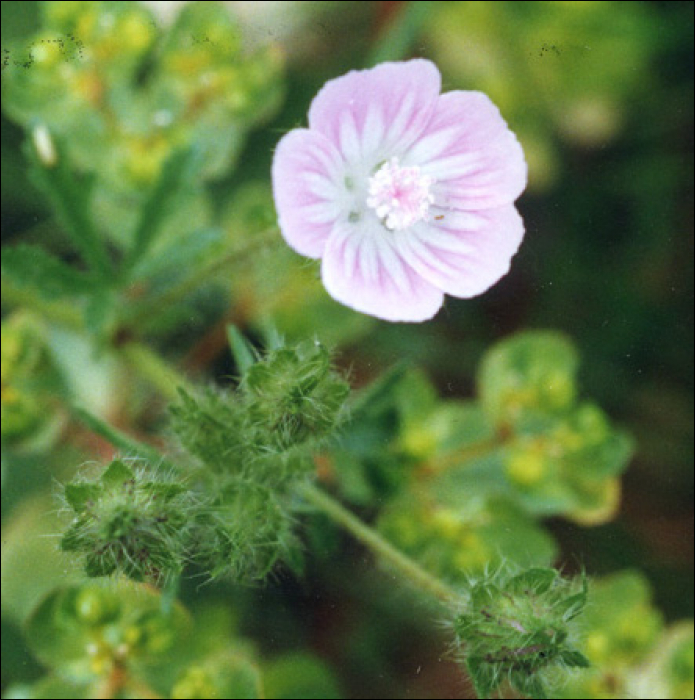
601 97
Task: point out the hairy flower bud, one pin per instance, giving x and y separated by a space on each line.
128 521
294 396
514 628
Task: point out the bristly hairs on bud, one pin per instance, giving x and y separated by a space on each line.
285 403
133 519
253 446
515 627
243 455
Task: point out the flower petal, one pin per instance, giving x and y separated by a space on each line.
362 269
467 147
464 253
379 112
307 171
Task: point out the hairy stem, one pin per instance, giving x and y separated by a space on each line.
412 571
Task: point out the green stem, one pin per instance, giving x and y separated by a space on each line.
396 42
153 307
467 453
56 311
379 546
117 438
154 369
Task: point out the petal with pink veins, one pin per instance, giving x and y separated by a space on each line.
362 269
376 113
307 172
464 253
467 147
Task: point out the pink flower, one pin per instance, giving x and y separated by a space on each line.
404 193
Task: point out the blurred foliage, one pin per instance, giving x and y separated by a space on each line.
142 141
126 640
26 382
464 481
101 72
631 652
547 66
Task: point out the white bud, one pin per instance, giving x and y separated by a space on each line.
43 143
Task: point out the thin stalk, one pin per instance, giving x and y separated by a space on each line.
149 365
458 458
397 39
412 571
120 440
153 307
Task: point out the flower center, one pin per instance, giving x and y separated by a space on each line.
399 195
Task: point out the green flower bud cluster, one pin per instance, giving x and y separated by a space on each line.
283 407
465 481
516 627
456 541
244 452
125 94
229 674
254 445
127 640
293 398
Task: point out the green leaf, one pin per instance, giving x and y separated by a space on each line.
574 659
99 312
416 397
117 438
71 199
397 42
245 355
184 252
484 676
530 372
30 266
79 495
299 675
32 564
176 171
379 394
536 581
116 474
